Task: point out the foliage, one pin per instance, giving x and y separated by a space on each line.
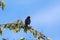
18 25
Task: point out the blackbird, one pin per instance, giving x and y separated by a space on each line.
27 21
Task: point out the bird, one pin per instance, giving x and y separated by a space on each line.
27 21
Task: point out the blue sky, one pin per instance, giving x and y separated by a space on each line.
45 17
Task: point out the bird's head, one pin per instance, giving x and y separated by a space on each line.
28 17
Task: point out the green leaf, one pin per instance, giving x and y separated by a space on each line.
32 30
3 5
3 39
26 29
35 34
17 22
16 25
5 25
22 38
16 30
40 38
21 24
0 3
0 31
48 38
10 26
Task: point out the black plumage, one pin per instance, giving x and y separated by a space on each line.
27 21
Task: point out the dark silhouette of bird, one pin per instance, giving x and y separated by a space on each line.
27 21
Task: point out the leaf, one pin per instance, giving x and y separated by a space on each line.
0 30
0 3
17 21
3 5
35 34
10 26
21 24
49 38
26 29
3 39
40 38
5 25
22 38
32 30
16 25
16 30
29 27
